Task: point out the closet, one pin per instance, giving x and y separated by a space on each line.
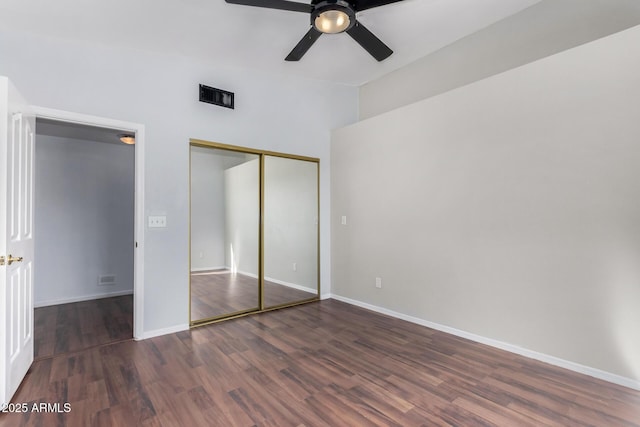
254 231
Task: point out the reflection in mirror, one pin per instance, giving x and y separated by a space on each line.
225 209
290 230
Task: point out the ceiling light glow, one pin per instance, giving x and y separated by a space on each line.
332 21
127 138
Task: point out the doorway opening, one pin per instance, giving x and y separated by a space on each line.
88 211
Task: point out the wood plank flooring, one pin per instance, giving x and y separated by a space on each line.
66 328
320 364
218 293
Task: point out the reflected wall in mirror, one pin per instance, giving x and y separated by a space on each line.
290 230
224 227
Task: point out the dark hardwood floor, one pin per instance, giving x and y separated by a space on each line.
66 328
218 293
319 364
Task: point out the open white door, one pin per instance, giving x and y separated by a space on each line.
17 138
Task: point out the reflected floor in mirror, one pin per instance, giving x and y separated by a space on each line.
219 292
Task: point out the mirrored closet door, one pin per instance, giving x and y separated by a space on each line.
290 230
225 217
253 231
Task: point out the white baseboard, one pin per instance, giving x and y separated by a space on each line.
222 267
164 331
246 273
280 282
552 360
291 285
82 298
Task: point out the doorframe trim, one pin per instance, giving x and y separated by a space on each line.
138 227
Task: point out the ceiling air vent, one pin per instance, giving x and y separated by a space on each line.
220 97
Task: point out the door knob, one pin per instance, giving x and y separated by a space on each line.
12 259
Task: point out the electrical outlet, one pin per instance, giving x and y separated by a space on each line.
378 282
157 221
343 220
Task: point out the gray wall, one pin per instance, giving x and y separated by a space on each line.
541 30
209 205
83 219
508 208
207 209
273 112
290 220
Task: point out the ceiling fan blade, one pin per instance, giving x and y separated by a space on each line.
369 42
275 4
303 45
370 4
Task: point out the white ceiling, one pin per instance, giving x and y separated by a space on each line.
78 131
242 36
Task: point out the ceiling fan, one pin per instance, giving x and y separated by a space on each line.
330 17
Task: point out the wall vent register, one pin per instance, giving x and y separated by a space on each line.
106 280
214 96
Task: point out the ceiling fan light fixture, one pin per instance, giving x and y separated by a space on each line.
332 22
330 17
333 16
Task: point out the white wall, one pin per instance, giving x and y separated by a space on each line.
290 220
278 113
83 219
541 30
242 213
508 208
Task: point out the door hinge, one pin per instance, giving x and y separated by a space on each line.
1 260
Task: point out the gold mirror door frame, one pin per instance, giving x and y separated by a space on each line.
253 231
